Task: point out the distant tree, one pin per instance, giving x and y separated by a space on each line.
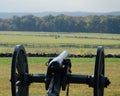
28 23
62 23
113 25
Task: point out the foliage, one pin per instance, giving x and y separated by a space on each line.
62 23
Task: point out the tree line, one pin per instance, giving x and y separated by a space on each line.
62 23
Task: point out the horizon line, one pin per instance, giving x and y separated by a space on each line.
62 11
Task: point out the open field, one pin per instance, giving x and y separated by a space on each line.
47 42
79 66
75 43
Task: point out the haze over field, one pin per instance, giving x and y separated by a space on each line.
59 5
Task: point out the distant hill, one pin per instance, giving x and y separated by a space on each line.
41 14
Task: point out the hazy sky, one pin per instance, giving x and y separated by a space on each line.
59 5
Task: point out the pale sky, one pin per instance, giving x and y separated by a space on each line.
59 5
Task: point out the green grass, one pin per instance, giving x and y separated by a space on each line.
47 42
75 43
84 66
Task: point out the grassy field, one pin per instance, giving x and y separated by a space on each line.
75 43
83 66
47 42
